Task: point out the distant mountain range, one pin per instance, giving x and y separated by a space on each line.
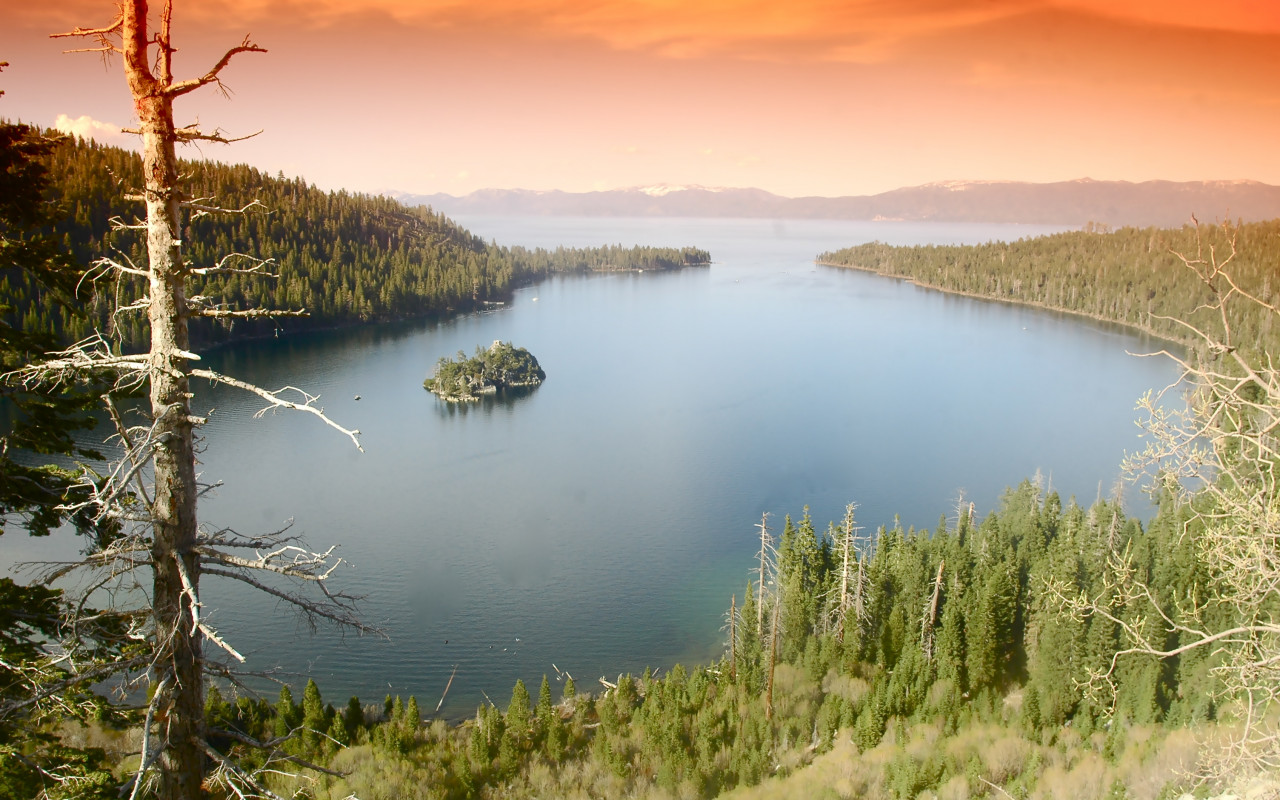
1076 202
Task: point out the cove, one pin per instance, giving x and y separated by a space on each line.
602 522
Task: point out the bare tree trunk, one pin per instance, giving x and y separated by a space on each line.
174 741
176 661
176 670
931 615
859 604
844 587
847 546
765 546
733 638
773 663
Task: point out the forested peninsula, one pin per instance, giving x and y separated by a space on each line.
1132 276
343 258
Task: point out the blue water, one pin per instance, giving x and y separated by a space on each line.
602 521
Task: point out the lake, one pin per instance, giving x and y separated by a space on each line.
601 522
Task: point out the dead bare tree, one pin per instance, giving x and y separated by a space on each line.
152 490
1218 456
773 663
767 571
930 617
733 637
850 610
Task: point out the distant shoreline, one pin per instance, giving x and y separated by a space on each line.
441 315
1007 300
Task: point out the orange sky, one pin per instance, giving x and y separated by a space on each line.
800 98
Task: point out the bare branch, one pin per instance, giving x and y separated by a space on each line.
250 313
98 673
1218 456
184 87
276 401
234 772
213 636
203 209
191 133
272 746
148 757
102 35
334 612
123 432
303 565
87 356
114 27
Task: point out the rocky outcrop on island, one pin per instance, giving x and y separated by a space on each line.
501 366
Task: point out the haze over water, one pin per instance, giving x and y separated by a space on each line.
602 521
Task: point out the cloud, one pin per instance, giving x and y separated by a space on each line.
856 31
862 31
1239 16
87 127
865 32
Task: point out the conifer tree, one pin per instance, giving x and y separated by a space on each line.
337 735
478 754
35 683
29 257
412 714
313 721
518 718
353 720
287 716
990 631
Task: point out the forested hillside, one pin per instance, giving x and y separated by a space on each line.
1132 276
344 258
932 660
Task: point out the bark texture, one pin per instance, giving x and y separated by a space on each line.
176 666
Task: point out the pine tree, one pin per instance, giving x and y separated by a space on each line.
518 718
313 722
288 715
478 753
337 735
353 720
990 632
549 729
412 714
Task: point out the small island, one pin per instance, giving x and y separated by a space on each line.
501 366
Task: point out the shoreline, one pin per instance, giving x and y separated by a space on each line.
1143 329
443 315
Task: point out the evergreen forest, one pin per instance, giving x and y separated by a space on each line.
500 366
342 258
1132 276
902 664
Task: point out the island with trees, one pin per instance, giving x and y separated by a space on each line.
500 366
